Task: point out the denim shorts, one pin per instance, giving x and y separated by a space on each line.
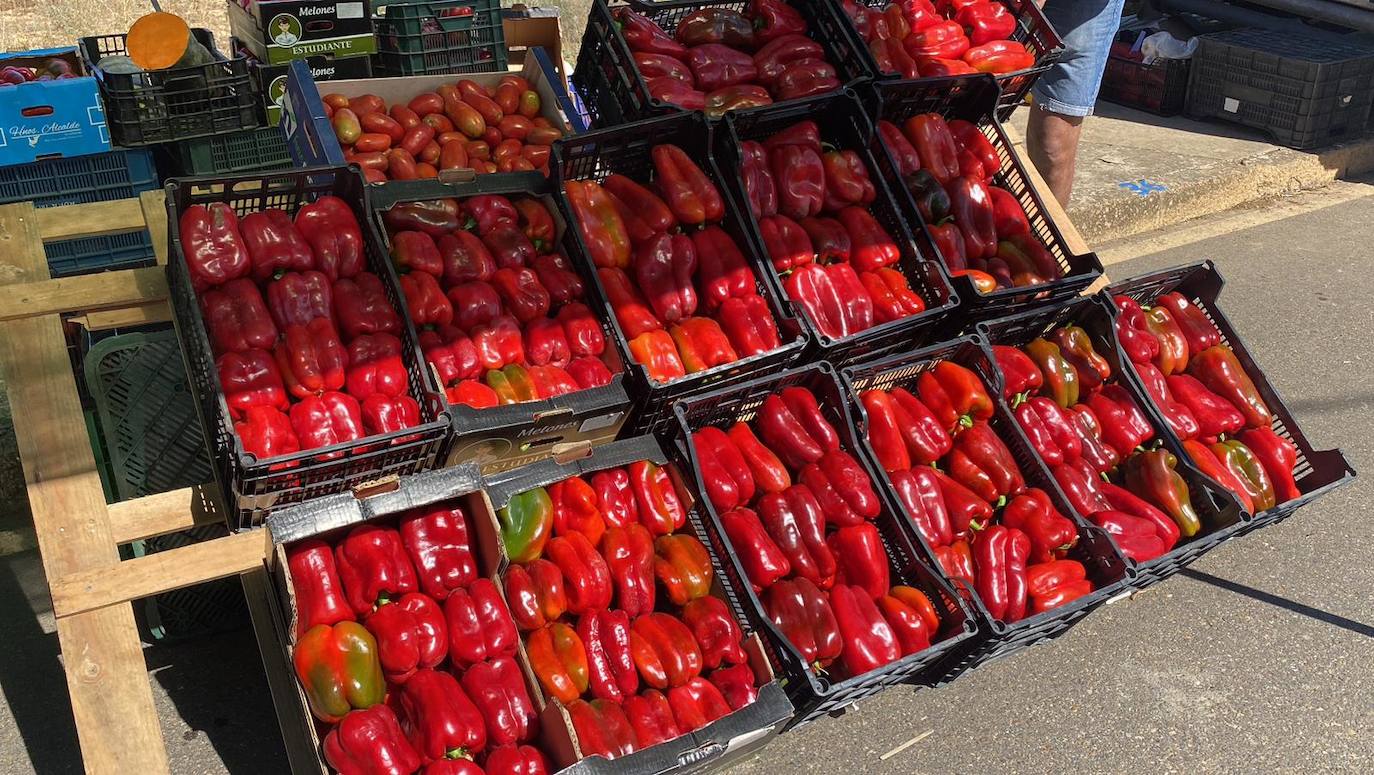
1087 28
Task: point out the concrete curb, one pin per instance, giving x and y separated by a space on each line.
1269 175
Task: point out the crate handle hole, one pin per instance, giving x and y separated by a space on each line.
376 487
37 110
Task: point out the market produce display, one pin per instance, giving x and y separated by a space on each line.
797 508
812 201
979 227
1208 400
457 126
967 497
502 313
407 654
306 341
616 609
719 59
686 298
921 39
53 69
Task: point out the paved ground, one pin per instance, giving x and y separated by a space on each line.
1255 660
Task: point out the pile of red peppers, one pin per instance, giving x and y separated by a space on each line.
1209 401
967 497
501 312
921 39
683 292
980 228
811 201
797 509
461 125
307 346
614 603
408 654
719 59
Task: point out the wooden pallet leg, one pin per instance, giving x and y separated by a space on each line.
112 699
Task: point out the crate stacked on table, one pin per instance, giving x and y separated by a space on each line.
426 37
326 279
920 40
1160 87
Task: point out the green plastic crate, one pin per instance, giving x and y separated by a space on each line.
153 438
439 36
249 151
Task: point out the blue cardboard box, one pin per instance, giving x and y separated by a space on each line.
50 119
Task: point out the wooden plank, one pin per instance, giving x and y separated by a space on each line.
112 700
83 293
89 590
97 219
153 204
166 512
104 320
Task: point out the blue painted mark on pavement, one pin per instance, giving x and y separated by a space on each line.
1143 187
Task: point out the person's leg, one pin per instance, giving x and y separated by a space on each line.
1065 94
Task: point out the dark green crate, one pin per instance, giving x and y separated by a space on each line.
250 151
440 36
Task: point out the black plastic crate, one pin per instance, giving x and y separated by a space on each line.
974 100
626 150
1305 92
1318 471
1160 87
425 37
176 103
843 125
1106 567
614 92
247 151
1032 29
813 692
1221 515
253 488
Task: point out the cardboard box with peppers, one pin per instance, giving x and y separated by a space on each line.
924 39
720 59
307 344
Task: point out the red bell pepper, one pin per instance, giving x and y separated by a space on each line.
651 717
716 66
615 498
266 432
436 539
804 78
1019 372
440 720
924 434
488 212
1180 418
274 246
968 137
581 330
903 152
629 307
1173 345
785 241
645 204
1220 371
956 562
1135 537
600 225
465 259
471 393
702 344
791 424
949 241
871 244
311 358
775 18
764 563
811 286
715 630
666 651
656 351
804 616
1215 415
736 685
1247 471
558 660
480 626
828 238
499 343
249 379
966 510
1200 332
425 300
1133 333
602 728
522 294
999 57
432 216
869 642
972 207
908 625
509 760
575 509
373 567
545 343
416 251
942 40
552 381
1278 457
1081 487
918 490
1124 426
696 704
735 97
611 669
557 277
991 547
585 574
691 195
885 431
536 593
296 298
716 25
955 395
935 145
497 689
315 583
861 558
748 324
643 34
329 226
727 478
1099 456
683 567
629 553
536 222
214 250
361 307
384 414
981 462
1125 501
770 475
663 269
893 298
327 419
986 22
723 272
410 635
758 180
589 372
451 353
370 742
375 366
1051 534
799 176
237 319
1049 429
676 92
659 65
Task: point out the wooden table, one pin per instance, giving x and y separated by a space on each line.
78 534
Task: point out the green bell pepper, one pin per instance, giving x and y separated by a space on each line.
525 524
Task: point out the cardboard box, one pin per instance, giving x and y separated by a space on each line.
529 28
280 31
505 437
49 119
323 67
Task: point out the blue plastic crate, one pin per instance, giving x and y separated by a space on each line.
98 177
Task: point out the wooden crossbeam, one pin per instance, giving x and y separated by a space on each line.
166 512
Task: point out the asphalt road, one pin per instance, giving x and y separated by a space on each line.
1256 659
